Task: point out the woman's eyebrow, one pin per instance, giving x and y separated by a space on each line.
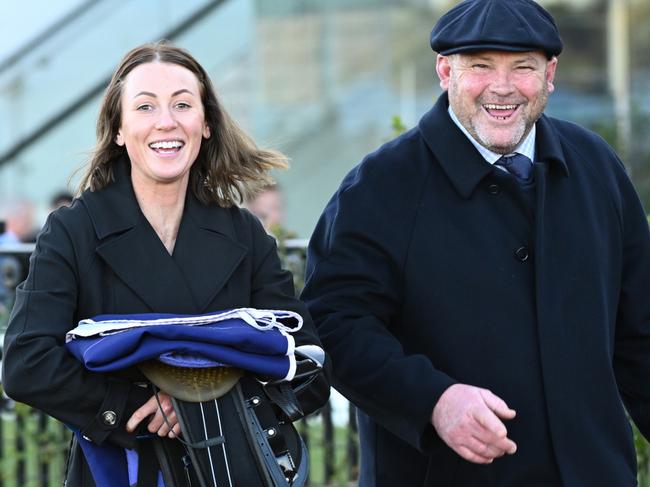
153 95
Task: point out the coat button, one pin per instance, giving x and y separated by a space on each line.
494 189
109 418
522 254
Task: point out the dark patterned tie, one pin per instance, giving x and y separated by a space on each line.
519 166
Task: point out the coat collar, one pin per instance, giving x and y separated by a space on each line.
459 159
205 255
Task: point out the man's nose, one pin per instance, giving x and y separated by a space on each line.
502 82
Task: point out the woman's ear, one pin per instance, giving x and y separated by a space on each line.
119 140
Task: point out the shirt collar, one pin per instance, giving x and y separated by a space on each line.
525 147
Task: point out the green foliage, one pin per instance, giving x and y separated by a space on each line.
293 259
317 454
397 125
44 441
642 457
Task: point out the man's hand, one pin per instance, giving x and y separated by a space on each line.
468 419
156 424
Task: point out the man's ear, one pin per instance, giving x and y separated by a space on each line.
551 66
443 68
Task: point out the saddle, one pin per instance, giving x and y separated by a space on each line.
237 430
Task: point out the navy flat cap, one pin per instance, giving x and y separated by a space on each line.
503 25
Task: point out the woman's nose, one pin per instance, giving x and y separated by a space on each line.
166 120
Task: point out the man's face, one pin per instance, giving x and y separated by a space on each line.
497 96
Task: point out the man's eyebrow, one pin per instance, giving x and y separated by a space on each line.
527 59
479 57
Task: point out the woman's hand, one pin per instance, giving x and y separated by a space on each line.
156 422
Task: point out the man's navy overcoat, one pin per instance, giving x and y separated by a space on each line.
428 268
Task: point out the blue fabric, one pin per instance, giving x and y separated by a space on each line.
110 465
107 462
231 342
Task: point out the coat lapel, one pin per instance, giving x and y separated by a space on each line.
207 251
205 255
141 261
459 159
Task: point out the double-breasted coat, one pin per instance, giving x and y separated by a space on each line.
429 267
102 256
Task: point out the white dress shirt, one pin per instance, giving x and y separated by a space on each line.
525 147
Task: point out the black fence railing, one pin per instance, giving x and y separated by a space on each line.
33 446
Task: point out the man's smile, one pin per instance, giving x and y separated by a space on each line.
500 112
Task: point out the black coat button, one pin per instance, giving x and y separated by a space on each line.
522 254
494 189
109 418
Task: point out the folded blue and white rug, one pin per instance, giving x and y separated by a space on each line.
257 341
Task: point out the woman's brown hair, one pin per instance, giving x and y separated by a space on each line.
229 167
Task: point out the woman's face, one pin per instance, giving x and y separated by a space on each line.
162 123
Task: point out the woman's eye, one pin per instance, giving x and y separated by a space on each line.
182 105
144 108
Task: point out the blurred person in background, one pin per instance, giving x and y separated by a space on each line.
62 198
481 281
19 222
268 206
19 228
156 229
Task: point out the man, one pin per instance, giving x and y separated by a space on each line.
268 206
19 222
18 228
488 314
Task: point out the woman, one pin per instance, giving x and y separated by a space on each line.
156 229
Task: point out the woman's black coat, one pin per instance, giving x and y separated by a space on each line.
102 256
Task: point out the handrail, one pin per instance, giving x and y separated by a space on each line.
94 90
28 248
46 34
17 248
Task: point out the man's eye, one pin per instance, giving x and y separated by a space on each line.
480 66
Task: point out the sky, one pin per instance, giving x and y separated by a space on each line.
22 20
